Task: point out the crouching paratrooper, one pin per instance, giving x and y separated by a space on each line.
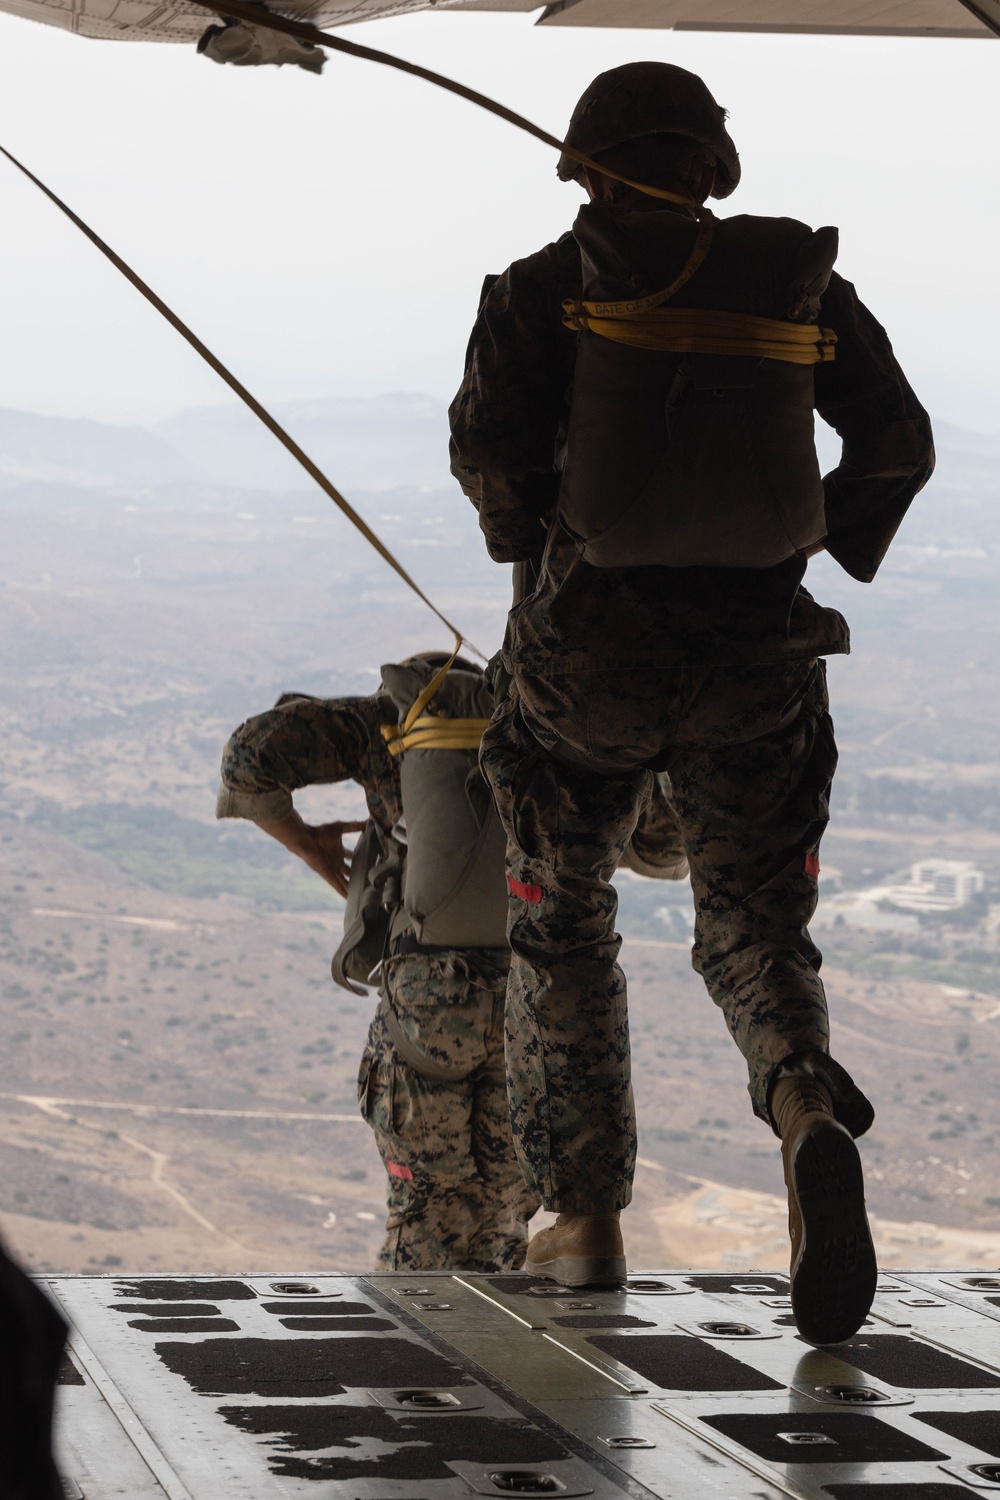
426 918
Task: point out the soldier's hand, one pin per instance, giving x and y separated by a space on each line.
320 847
326 854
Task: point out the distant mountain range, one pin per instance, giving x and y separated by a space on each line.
371 443
368 446
83 454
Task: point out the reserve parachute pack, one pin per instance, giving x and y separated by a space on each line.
691 436
440 876
373 892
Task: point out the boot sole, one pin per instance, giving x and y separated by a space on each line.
835 1272
580 1270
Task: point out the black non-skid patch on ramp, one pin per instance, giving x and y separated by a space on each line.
678 1362
914 1365
736 1286
305 1367
980 1429
378 1444
933 1490
184 1325
170 1290
68 1374
168 1309
840 1437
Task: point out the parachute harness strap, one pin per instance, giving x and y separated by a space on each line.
420 731
245 396
580 314
698 330
430 733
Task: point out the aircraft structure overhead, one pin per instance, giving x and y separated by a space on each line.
181 21
952 18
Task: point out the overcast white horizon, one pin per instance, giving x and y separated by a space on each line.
329 235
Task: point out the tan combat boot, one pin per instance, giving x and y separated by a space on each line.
579 1250
833 1269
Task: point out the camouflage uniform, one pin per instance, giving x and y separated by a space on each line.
711 674
456 1195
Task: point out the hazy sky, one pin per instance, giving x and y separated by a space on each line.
329 235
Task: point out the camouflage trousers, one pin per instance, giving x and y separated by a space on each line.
433 1089
751 755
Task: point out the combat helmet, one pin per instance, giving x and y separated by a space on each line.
650 98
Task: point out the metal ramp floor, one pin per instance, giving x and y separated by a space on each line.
440 1387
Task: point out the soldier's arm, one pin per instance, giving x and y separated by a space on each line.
320 846
306 741
888 449
511 406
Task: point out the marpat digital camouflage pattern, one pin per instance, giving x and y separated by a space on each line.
751 757
456 1196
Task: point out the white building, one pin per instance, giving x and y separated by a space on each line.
937 885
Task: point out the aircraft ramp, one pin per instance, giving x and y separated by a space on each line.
440 1387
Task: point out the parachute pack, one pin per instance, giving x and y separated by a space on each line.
691 437
440 876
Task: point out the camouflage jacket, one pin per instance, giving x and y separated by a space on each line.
306 741
508 424
303 741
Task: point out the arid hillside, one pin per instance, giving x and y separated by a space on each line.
177 1072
